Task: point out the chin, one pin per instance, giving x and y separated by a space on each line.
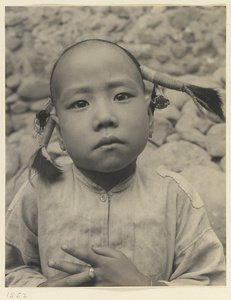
111 168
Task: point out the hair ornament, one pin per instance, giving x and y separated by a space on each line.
206 99
41 161
158 100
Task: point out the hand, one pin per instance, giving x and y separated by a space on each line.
111 267
116 269
78 275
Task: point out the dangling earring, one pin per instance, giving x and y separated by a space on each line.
150 134
64 152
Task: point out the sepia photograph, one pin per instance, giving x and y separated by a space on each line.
115 149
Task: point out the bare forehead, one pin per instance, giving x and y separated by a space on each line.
95 52
92 48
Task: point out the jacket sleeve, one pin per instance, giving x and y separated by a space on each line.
22 252
198 255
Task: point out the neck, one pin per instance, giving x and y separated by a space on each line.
108 180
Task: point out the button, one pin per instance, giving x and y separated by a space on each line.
103 198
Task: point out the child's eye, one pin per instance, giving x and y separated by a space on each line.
79 104
122 96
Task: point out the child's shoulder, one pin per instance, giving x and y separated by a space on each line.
174 183
183 186
34 188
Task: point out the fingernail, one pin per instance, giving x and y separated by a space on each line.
95 247
91 274
51 263
64 247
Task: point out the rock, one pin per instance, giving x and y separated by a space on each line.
13 81
26 148
139 51
193 135
186 120
38 105
12 18
173 68
174 137
192 66
189 37
210 184
14 138
12 161
33 88
194 13
190 108
8 63
147 36
171 113
112 22
176 98
161 129
179 20
65 17
37 62
19 107
176 156
220 76
8 92
203 124
157 10
25 120
8 124
179 50
215 140
13 98
13 43
163 57
223 164
190 119
149 21
120 11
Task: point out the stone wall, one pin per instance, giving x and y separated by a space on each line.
186 42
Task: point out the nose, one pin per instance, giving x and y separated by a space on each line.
105 117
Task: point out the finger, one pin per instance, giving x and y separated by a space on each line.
79 279
106 251
72 280
67 267
89 257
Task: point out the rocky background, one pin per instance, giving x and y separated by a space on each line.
186 42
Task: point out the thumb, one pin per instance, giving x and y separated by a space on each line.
106 251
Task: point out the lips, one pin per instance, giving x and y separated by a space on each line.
108 141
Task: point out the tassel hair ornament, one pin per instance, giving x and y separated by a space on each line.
41 161
204 98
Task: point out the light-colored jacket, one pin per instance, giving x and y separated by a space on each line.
153 217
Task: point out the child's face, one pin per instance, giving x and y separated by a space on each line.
102 112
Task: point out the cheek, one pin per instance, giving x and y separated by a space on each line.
140 119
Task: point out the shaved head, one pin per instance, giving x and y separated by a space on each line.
97 48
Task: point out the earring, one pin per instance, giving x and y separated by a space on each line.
64 152
150 134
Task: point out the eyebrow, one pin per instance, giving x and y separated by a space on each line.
74 90
111 84
121 82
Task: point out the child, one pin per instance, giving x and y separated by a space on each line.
104 220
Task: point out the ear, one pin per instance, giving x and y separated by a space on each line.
59 133
150 114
